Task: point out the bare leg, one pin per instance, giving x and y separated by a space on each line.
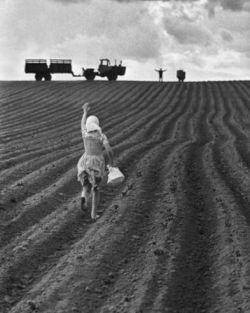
84 197
95 202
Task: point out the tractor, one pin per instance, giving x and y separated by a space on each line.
42 70
105 69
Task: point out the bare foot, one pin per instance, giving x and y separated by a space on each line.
95 217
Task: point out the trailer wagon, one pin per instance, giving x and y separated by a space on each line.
41 69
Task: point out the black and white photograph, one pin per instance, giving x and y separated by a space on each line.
124 156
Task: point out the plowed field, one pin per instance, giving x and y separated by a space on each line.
174 237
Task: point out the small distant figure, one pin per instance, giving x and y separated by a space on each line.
160 71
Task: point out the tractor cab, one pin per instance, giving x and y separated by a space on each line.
104 62
104 65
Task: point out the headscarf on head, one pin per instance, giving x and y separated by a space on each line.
93 119
92 124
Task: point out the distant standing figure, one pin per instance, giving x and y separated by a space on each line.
92 166
160 71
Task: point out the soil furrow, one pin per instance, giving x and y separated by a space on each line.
127 160
191 281
53 104
108 236
235 124
232 237
174 237
44 255
22 169
38 179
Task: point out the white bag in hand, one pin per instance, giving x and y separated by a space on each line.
115 176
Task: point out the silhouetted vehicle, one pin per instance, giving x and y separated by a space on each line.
105 69
40 68
181 75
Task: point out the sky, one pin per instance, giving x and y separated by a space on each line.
209 39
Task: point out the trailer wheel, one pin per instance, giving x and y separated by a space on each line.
47 77
112 77
38 77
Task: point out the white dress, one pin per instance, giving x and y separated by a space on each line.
92 167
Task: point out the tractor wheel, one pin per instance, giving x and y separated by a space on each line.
112 77
38 77
90 76
47 77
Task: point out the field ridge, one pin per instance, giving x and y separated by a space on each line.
174 237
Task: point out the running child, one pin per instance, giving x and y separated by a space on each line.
92 166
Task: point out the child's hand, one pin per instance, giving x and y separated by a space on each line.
86 107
